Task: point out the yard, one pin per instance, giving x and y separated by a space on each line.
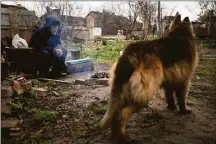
69 114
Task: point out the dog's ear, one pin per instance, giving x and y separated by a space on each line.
177 19
186 19
177 13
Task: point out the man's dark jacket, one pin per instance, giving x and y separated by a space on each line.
40 38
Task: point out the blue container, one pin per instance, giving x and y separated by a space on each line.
80 65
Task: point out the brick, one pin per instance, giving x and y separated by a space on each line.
102 81
7 83
9 123
18 88
80 81
5 105
90 81
15 129
27 85
40 91
6 91
15 134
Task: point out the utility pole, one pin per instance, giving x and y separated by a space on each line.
162 23
159 19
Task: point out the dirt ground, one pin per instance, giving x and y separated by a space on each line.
79 108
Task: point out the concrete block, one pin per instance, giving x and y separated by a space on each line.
90 82
5 105
9 123
7 83
27 85
40 91
7 91
18 88
15 132
80 81
102 81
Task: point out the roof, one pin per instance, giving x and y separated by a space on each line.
112 18
168 18
18 6
27 18
96 13
74 21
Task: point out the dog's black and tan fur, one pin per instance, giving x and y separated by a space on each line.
146 66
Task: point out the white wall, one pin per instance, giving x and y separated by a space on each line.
97 31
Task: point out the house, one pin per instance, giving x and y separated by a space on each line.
107 23
168 18
17 19
54 12
94 24
73 27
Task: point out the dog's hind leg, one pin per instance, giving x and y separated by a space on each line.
119 123
181 93
169 93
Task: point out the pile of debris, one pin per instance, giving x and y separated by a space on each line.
100 75
99 78
10 89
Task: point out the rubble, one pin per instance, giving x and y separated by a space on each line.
5 105
15 132
6 91
90 82
40 91
102 81
18 88
65 117
27 86
80 81
100 75
56 93
13 126
9 123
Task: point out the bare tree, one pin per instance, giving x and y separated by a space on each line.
168 21
147 15
134 13
208 14
21 18
66 10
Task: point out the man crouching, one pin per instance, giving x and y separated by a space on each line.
47 45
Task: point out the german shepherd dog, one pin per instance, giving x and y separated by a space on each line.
146 66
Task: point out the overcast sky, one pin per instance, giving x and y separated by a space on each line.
186 8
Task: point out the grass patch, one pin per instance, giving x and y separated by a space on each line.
99 110
108 53
207 69
42 115
207 44
16 106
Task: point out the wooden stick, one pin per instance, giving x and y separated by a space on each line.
53 80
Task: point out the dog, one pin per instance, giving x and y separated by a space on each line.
146 66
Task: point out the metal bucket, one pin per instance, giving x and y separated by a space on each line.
75 54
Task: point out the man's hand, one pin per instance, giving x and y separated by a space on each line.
58 52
